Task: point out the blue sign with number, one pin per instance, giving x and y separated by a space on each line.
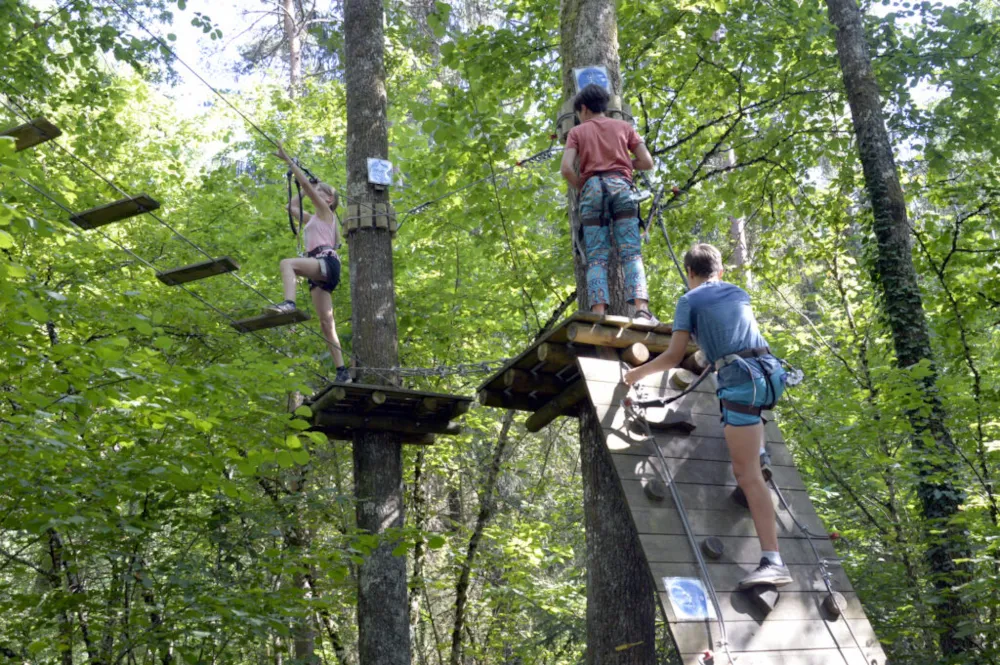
592 75
379 171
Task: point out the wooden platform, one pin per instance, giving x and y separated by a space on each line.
197 271
265 321
418 417
544 379
114 212
32 133
798 630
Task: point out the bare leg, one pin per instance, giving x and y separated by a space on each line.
324 310
598 309
641 304
744 449
293 268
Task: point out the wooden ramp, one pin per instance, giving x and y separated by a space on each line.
32 133
797 629
418 417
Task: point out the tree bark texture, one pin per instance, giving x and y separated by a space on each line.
903 307
383 625
291 28
621 606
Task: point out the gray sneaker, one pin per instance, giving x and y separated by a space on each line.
767 573
343 376
645 316
284 307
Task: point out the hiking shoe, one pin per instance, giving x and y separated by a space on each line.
284 307
765 466
767 573
343 376
645 316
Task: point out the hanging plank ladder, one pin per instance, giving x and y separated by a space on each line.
196 271
32 133
113 212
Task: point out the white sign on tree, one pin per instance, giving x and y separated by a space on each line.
379 171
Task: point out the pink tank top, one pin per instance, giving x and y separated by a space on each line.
319 233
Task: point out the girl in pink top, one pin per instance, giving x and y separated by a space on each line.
321 267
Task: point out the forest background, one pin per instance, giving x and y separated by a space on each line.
157 504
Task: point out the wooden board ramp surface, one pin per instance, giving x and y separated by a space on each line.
270 320
196 271
342 409
32 133
543 378
799 630
115 211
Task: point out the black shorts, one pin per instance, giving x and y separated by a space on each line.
330 267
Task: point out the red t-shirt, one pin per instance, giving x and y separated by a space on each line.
604 144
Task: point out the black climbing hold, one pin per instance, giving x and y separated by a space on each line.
764 597
834 605
655 489
712 547
739 497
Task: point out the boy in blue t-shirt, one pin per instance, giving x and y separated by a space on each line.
718 315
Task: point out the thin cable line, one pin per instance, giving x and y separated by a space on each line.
38 26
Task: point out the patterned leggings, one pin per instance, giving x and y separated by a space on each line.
597 238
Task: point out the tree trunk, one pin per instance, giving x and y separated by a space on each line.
383 624
621 606
55 582
902 304
291 29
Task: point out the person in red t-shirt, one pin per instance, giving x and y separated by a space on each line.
604 146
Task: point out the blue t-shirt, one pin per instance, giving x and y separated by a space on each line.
719 317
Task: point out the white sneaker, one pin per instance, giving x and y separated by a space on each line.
767 573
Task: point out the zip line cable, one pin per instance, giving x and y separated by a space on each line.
38 26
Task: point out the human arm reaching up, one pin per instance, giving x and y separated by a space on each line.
322 207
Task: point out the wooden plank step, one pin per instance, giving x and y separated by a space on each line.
265 321
32 133
749 636
196 271
114 211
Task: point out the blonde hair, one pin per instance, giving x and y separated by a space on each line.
329 191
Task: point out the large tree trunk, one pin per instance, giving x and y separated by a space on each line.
383 625
934 451
621 606
291 28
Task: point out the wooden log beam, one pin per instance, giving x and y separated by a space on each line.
381 423
554 354
635 354
330 397
554 408
517 402
618 338
521 381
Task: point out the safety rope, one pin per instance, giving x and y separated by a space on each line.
632 414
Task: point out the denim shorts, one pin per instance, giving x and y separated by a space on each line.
754 392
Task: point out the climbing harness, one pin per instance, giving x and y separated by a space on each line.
606 216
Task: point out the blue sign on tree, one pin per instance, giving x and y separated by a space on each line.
598 75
